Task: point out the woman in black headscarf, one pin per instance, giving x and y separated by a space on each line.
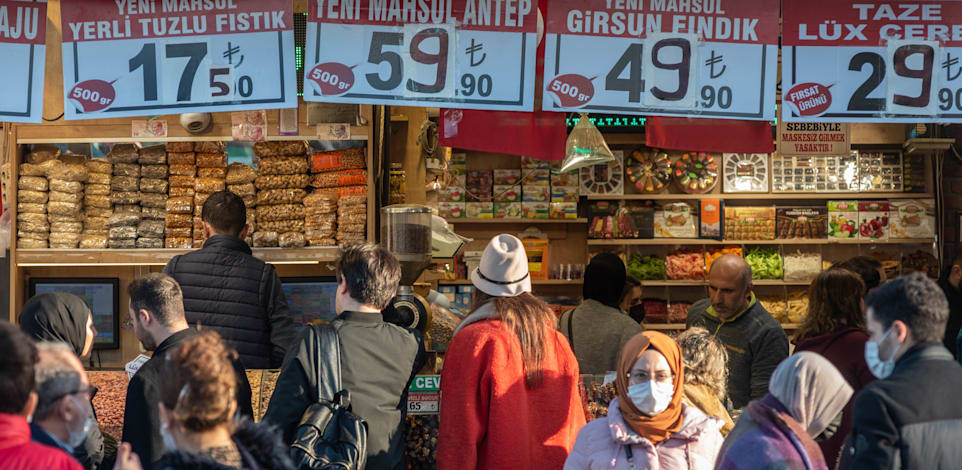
66 318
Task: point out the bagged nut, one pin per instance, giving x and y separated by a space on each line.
67 227
265 239
99 166
125 197
290 225
242 190
154 213
282 166
151 228
278 148
181 158
183 170
91 241
127 169
317 211
153 155
320 199
32 207
177 181
153 171
58 196
176 191
74 158
356 227
33 227
64 239
209 147
153 200
198 210
30 244
127 209
200 198
198 225
180 146
54 218
95 224
239 173
123 153
96 200
280 212
121 243
180 205
98 178
64 208
38 197
33 183
29 169
209 185
150 242
179 220
153 185
339 178
249 201
125 183
97 190
98 211
43 152
178 242
31 217
69 173
66 186
282 181
179 232
280 196
351 219
38 235
123 232
211 160
124 220
291 240
325 241
336 160
219 173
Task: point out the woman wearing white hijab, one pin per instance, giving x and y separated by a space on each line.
805 401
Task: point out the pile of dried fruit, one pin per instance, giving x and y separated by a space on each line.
421 437
110 399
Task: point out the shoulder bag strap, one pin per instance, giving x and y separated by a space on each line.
571 332
327 362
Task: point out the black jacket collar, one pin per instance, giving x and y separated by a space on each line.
173 340
922 352
259 445
363 317
229 242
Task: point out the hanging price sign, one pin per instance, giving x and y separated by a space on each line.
136 58
708 58
883 61
424 395
472 54
23 30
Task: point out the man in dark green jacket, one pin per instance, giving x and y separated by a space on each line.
755 341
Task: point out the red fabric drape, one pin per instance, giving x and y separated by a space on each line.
709 135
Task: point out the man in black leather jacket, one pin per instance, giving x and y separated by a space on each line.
228 290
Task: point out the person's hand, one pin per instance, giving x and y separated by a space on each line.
127 459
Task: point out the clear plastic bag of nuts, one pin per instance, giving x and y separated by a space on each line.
290 225
33 183
211 160
36 197
98 178
153 155
181 158
65 186
219 173
57 196
265 239
123 220
278 148
153 200
71 209
239 173
125 197
280 212
282 181
281 166
243 190
154 171
69 173
178 242
209 185
291 240
89 241
99 166
125 183
281 196
127 169
153 185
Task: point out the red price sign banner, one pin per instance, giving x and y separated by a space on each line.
700 58
472 54
23 33
881 61
138 58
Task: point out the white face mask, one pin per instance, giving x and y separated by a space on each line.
169 443
77 437
880 368
651 398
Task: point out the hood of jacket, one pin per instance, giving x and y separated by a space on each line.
694 424
259 445
820 342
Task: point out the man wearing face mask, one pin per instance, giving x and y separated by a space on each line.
910 417
63 417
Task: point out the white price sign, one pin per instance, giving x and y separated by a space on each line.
134 58
701 59
884 61
444 53
23 29
424 395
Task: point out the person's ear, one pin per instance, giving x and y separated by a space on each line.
244 232
145 317
901 331
30 407
208 230
956 270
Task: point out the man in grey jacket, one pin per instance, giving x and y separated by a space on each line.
755 341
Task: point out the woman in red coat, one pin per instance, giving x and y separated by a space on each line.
835 328
509 388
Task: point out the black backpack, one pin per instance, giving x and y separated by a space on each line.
329 436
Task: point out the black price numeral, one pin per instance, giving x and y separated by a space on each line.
860 100
482 84
723 97
634 84
683 67
147 59
377 55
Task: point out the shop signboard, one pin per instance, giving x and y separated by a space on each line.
699 58
23 34
470 54
141 58
814 138
424 395
881 61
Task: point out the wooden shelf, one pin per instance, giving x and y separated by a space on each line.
517 221
160 257
759 282
534 282
701 241
357 133
763 196
681 326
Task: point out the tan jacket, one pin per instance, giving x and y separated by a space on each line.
702 398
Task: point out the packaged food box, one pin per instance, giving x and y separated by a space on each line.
480 178
458 164
451 210
507 193
675 221
448 291
535 210
842 219
873 220
533 193
507 210
480 210
459 180
711 212
912 218
451 194
606 220
564 194
749 223
563 210
510 176
801 222
536 177
564 179
534 163
644 220
479 193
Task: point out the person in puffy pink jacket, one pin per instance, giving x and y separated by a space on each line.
648 426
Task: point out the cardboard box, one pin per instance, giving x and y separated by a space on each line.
570 178
451 194
644 220
480 178
873 220
451 210
536 177
507 193
459 163
528 162
711 217
749 223
532 193
507 210
480 210
912 218
511 176
801 222
842 219
563 210
564 194
535 210
676 220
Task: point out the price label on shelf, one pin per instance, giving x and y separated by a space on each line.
130 58
886 61
454 53
709 59
424 395
23 33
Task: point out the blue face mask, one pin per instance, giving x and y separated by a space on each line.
880 368
651 398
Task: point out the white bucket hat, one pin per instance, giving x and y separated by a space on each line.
503 270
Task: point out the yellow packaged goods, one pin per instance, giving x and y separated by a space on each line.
66 186
153 200
289 225
95 224
211 160
123 153
67 227
198 225
91 241
30 244
151 228
153 155
33 183
127 209
99 166
180 205
38 235
125 183
150 242
97 189
282 181
125 197
34 226
208 147
209 185
352 219
179 232
339 178
122 232
54 218
242 190
121 243
98 178
178 242
123 220
280 212
153 185
30 169
325 241
181 181
69 173
127 169
39 197
181 158
42 153
200 198
74 158
154 212
97 200
98 211
220 173
351 227
182 170
281 196
265 239
32 207
63 208
64 240
338 160
278 148
31 217
281 166
152 171
66 197
176 191
180 220
180 147
239 173
320 199
250 201
291 240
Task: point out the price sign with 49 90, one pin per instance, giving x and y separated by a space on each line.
474 54
137 58
707 58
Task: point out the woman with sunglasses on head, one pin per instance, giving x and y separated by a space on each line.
648 426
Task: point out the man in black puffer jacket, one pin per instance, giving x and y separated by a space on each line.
228 290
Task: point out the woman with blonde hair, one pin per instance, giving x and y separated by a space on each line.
706 374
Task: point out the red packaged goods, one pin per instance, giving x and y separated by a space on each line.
345 191
656 311
685 265
678 312
337 160
340 178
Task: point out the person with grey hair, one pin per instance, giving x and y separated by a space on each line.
156 314
755 341
63 417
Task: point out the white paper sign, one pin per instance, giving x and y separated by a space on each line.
23 30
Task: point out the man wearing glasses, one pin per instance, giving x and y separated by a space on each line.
63 416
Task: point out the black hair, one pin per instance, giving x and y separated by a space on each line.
915 300
371 272
605 278
18 357
866 268
225 212
160 295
